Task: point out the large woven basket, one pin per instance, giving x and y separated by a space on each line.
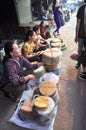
52 67
52 56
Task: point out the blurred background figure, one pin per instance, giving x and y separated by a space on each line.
57 17
43 30
80 32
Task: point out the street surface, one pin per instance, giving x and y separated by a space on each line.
72 106
71 113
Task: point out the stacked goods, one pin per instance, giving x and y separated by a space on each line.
39 72
51 58
52 67
55 40
44 109
25 112
43 105
58 42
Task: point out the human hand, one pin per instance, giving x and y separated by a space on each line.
31 76
76 39
28 77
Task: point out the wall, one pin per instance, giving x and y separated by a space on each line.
23 9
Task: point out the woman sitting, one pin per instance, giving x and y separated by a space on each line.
45 34
41 43
29 47
13 63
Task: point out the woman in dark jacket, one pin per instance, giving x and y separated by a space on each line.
13 64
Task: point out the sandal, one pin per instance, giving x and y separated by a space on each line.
54 34
11 96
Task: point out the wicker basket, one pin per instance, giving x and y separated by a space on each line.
51 57
39 72
52 67
57 44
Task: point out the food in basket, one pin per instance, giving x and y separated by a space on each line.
48 88
25 112
54 40
26 107
57 44
40 52
35 62
41 102
45 117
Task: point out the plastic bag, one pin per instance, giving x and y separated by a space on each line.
50 76
32 84
62 20
74 55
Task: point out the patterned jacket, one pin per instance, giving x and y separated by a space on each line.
13 69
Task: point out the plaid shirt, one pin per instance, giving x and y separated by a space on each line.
13 69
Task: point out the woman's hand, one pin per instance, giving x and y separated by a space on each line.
31 76
28 77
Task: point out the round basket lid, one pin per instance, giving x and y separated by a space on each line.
52 53
41 102
47 88
49 108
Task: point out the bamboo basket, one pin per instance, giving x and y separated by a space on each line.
51 58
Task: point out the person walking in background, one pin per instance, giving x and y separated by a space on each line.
57 17
80 32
